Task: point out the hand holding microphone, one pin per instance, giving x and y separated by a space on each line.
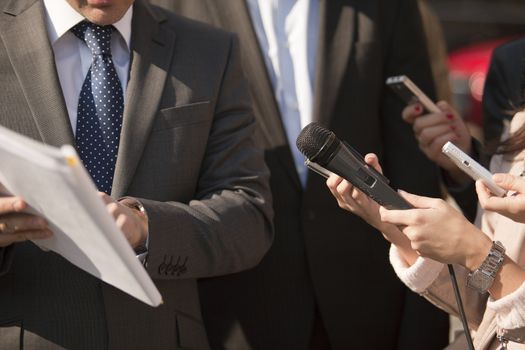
358 184
321 146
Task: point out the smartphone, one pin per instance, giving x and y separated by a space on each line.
471 167
410 93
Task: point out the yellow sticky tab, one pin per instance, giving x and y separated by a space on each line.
71 161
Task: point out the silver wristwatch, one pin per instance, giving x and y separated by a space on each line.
482 278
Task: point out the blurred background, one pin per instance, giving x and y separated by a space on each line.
472 29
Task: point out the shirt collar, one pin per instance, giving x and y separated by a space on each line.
61 17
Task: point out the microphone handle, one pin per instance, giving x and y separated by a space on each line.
353 169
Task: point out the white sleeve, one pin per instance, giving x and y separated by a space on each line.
510 310
420 275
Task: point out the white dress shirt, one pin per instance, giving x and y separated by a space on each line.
73 57
287 31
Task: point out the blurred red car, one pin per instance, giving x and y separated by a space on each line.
468 68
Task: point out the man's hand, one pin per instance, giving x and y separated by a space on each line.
16 226
130 221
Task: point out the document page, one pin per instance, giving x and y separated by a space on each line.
56 185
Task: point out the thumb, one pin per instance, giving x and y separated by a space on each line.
419 202
510 182
371 159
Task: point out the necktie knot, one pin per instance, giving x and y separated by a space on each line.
97 38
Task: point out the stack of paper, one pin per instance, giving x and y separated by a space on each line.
56 186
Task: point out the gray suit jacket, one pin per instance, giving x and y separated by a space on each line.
187 152
323 257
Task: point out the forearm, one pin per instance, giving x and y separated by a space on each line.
509 278
209 237
431 279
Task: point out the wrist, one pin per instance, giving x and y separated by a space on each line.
477 252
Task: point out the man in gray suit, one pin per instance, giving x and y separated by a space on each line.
196 187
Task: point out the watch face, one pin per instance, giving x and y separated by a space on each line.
480 281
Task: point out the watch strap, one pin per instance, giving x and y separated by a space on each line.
482 278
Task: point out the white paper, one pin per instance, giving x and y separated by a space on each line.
56 186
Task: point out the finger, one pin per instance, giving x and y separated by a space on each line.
107 199
12 204
371 159
114 209
434 149
430 134
129 229
494 203
21 222
445 107
411 112
333 180
397 217
21 236
483 193
510 182
121 221
344 189
429 120
420 202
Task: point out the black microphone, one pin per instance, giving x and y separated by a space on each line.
322 147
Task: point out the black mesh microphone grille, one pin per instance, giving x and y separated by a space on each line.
312 142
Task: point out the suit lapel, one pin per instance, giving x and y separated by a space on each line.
236 18
151 54
24 34
336 37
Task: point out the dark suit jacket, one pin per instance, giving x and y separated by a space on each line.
187 151
504 92
321 254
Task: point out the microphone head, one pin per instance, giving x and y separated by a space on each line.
317 143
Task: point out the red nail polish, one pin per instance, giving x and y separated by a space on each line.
418 108
450 116
453 127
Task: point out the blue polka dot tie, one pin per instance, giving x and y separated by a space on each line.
100 107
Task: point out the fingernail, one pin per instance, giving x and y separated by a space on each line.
452 127
418 108
450 116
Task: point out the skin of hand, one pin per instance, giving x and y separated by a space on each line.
433 130
17 226
512 205
353 200
128 220
438 231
